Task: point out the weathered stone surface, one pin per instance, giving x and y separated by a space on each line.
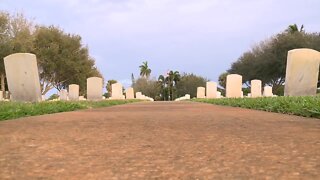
211 90
267 91
117 91
94 88
1 96
234 86
63 95
73 92
302 72
201 92
255 88
130 93
23 77
138 95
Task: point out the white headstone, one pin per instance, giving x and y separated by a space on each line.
267 91
211 90
63 95
73 92
1 96
138 95
234 86
117 92
201 92
218 94
302 72
94 88
82 98
23 77
256 88
130 93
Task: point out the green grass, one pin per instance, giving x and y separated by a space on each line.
308 106
13 110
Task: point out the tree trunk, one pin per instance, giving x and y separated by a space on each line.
3 87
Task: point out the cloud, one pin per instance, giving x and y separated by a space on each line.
200 36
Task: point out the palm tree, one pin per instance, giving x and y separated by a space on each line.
294 28
145 71
163 82
172 80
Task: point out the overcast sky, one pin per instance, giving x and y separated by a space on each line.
199 36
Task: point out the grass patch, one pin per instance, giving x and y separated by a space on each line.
307 106
13 110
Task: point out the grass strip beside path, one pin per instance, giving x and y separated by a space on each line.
307 106
13 110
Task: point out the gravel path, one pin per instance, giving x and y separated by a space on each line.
165 140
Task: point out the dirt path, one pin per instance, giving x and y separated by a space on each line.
160 141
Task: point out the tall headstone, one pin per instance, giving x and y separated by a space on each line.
234 86
23 77
117 92
130 93
302 72
267 91
255 88
94 88
63 95
201 92
211 90
74 92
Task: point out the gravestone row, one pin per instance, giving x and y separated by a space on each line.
301 79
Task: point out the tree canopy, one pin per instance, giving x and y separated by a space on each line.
267 60
62 58
188 84
145 71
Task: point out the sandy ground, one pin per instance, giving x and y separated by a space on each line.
177 140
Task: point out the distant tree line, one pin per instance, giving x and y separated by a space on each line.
61 56
167 87
267 60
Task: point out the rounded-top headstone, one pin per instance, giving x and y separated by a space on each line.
94 88
256 88
234 86
302 72
23 77
73 92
